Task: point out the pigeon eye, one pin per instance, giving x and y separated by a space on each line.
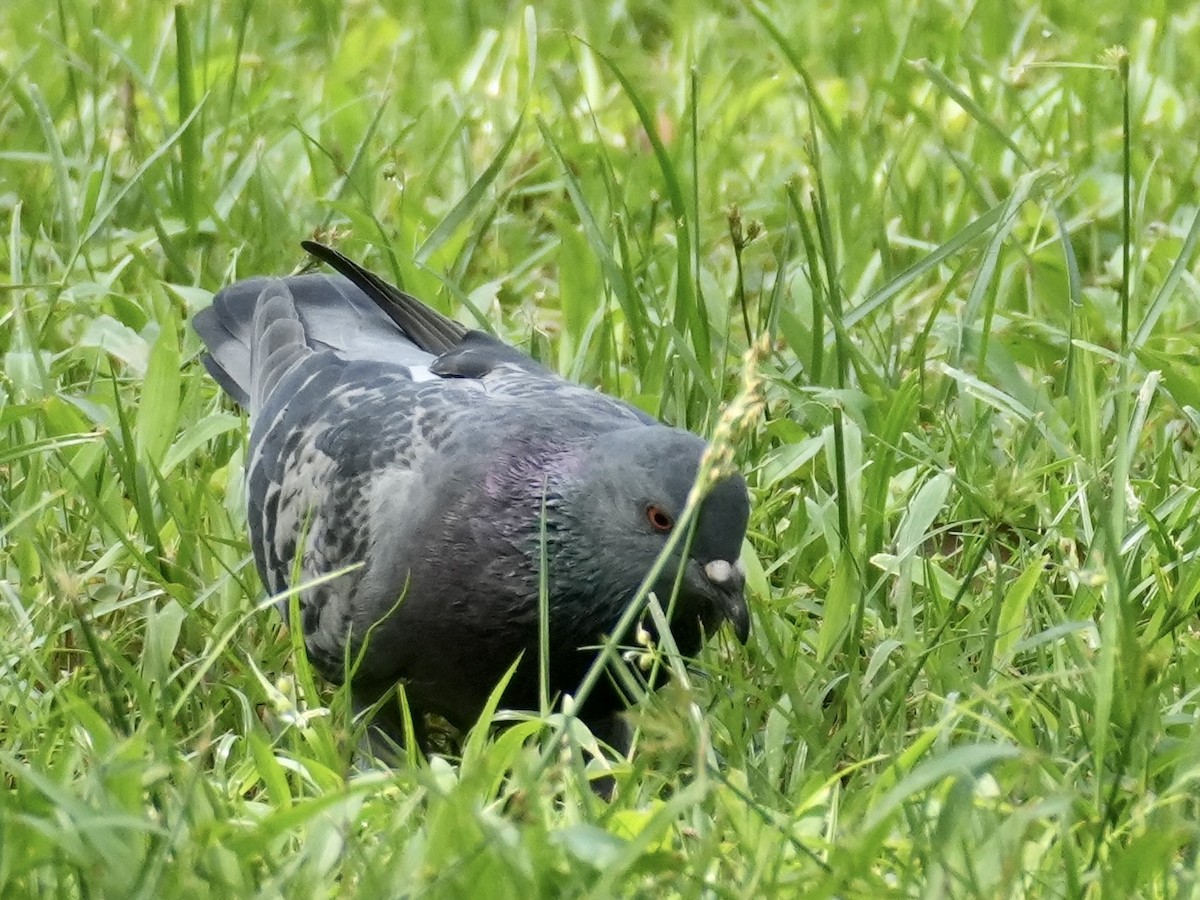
660 520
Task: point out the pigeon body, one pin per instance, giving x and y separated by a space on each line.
446 465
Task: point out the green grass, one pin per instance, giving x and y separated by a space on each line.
970 231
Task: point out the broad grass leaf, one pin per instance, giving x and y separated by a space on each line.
969 759
158 411
1011 625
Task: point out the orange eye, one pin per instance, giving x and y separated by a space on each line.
660 520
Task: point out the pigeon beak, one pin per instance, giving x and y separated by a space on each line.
730 578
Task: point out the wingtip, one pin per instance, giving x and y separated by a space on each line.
325 253
425 326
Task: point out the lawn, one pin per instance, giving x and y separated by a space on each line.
964 237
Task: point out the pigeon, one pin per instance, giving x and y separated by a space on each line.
434 480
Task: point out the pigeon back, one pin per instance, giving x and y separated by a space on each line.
332 314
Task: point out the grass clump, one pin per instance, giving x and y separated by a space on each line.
965 240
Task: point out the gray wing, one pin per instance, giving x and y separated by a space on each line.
345 459
357 464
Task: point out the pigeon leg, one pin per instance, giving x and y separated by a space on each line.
384 735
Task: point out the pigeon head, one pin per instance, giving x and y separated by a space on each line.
621 500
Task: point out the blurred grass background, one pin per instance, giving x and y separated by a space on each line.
970 230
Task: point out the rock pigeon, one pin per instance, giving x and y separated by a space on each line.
448 464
